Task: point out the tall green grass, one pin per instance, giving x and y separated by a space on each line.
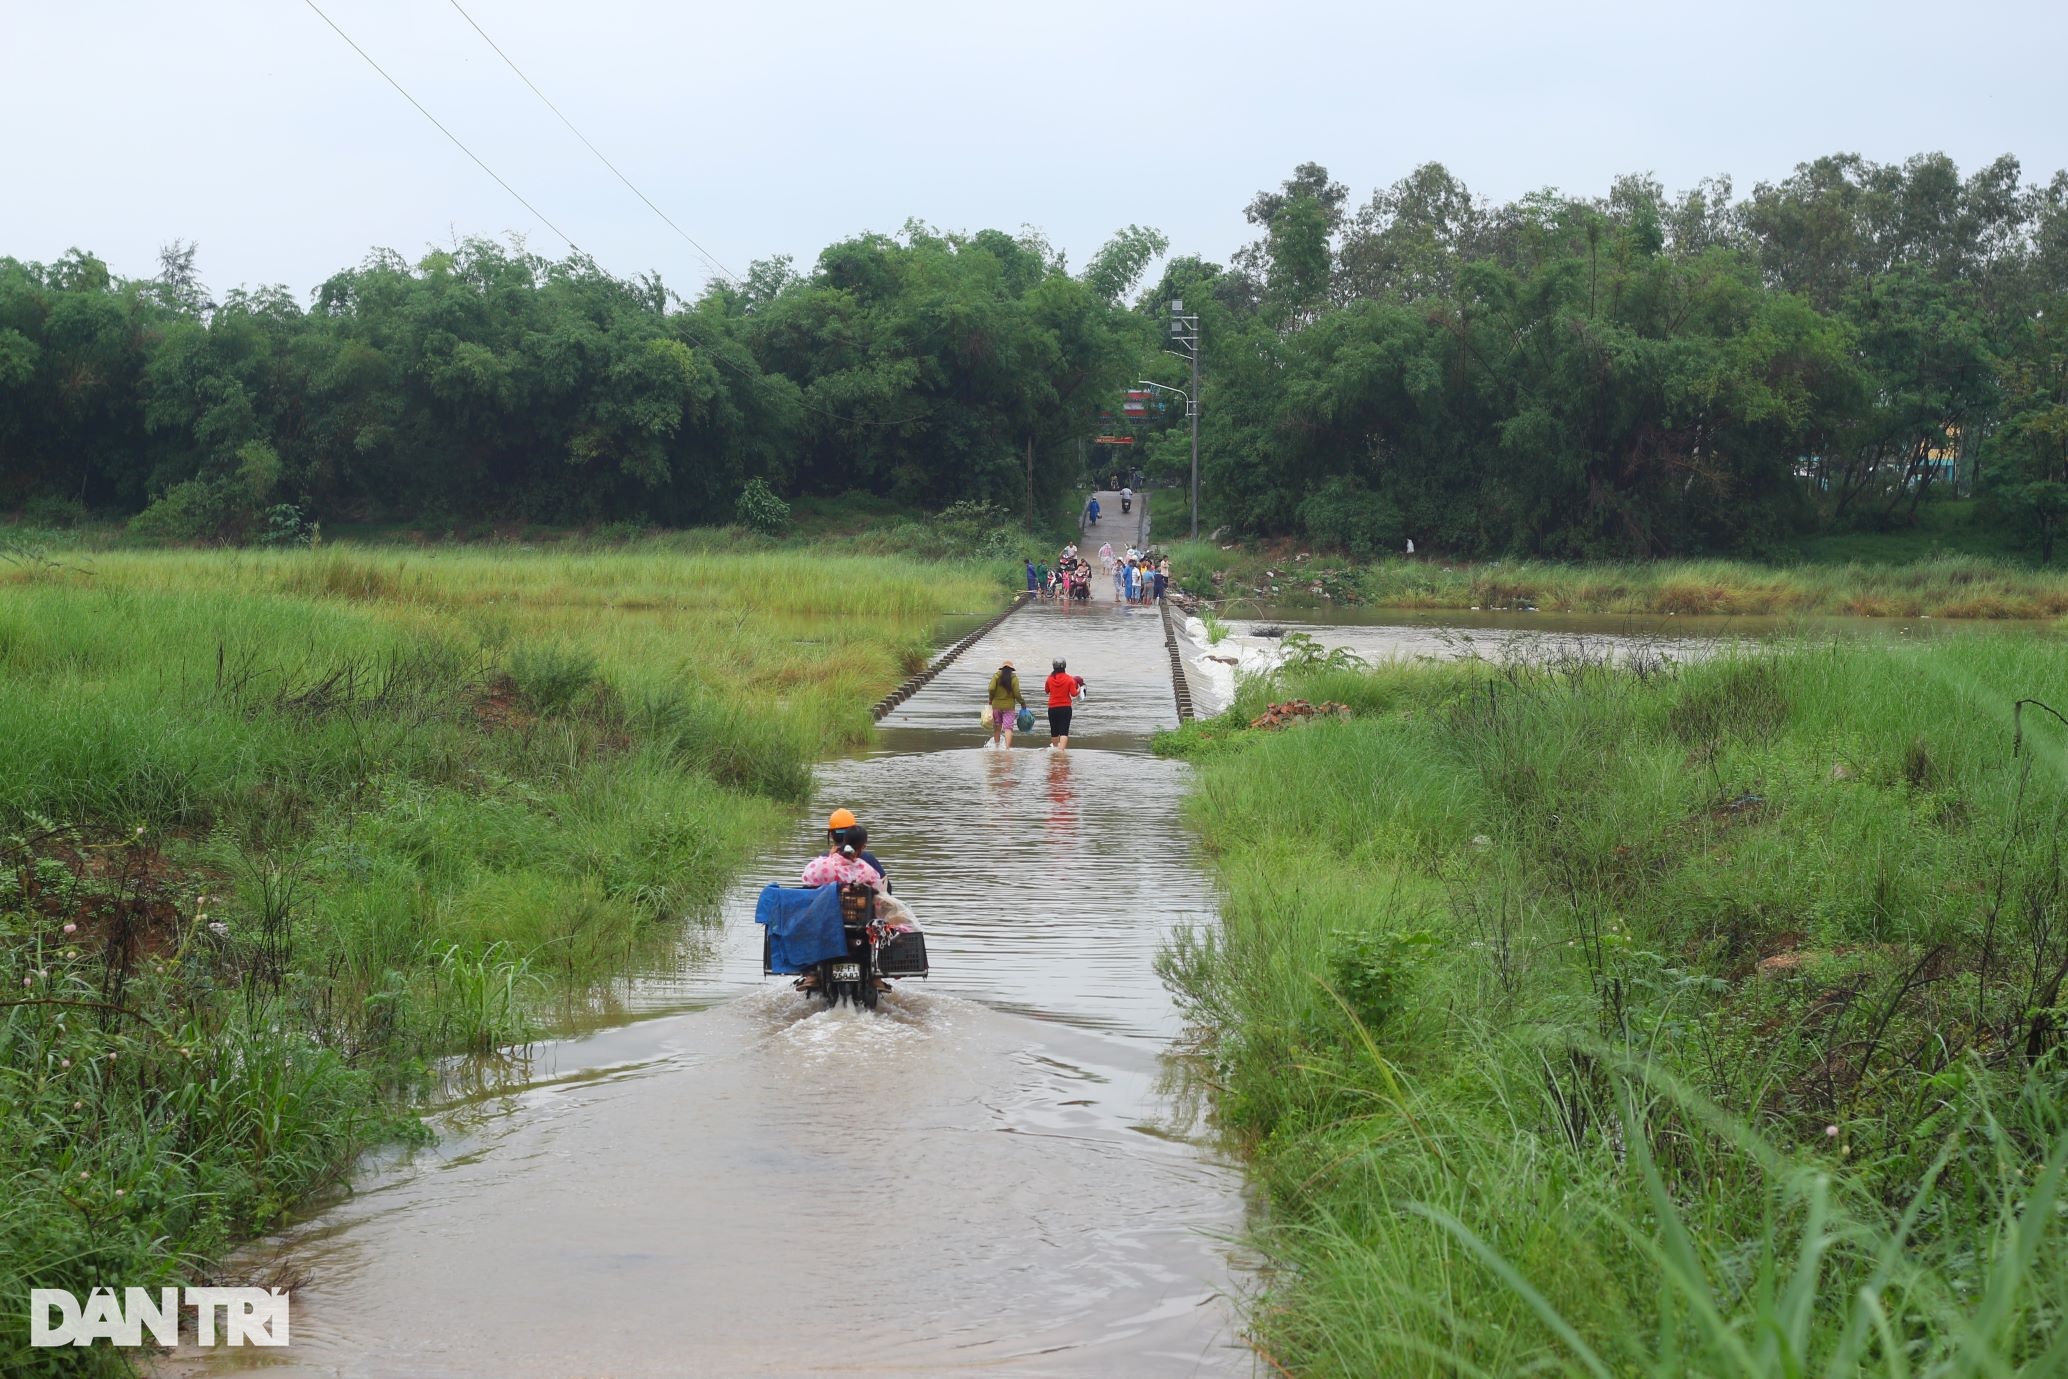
276 828
1701 1021
1941 586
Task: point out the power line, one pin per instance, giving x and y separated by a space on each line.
706 254
668 220
683 317
442 129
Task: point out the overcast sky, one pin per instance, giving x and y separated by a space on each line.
777 126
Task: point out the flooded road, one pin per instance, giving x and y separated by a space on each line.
993 1174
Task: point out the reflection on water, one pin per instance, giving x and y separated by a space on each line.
989 1174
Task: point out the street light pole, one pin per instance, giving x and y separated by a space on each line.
1192 412
1184 331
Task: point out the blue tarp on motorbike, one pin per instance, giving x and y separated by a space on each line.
803 926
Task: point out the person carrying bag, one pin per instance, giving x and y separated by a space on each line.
1002 698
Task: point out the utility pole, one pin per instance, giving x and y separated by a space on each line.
1184 333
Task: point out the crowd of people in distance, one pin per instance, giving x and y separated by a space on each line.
1067 581
1138 576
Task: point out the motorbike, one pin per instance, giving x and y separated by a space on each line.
1127 505
873 951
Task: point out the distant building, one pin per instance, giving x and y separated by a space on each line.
1940 466
1942 463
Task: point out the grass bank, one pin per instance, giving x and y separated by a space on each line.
277 827
849 525
1706 1021
1939 586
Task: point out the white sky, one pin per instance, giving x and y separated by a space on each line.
778 126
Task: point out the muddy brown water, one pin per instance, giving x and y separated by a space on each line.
995 1173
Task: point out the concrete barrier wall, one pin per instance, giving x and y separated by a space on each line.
941 662
1180 688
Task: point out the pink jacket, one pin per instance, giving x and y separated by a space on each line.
829 867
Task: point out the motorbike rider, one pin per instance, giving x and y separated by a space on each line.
859 836
842 861
1127 500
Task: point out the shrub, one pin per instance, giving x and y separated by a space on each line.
199 510
1372 972
1740 698
551 679
619 533
1198 566
1300 654
971 528
49 510
258 469
1345 514
759 509
283 525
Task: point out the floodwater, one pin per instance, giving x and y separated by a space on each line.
995 1173
1253 644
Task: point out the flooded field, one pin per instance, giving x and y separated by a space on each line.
1253 644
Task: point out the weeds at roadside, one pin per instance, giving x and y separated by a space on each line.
1736 1049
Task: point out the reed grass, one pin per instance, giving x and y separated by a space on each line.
1704 1020
1945 586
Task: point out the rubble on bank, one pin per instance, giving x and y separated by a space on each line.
1296 711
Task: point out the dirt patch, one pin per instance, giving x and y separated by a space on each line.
1739 809
499 707
101 889
1294 711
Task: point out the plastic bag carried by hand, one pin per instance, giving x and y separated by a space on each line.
1024 721
985 717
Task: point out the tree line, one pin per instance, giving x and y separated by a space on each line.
1639 373
1632 374
487 382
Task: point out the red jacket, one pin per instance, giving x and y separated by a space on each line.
1062 688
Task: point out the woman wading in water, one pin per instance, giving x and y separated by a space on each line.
1005 702
1064 690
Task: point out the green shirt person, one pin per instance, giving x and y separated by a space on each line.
1005 701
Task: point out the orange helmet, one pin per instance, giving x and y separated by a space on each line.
841 818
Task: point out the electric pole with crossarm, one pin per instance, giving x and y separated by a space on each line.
1184 333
